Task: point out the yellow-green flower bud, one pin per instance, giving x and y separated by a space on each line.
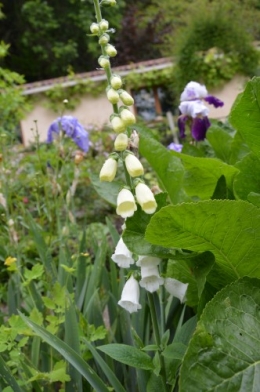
103 62
110 50
134 166
127 117
103 24
126 98
108 171
94 28
121 142
116 82
112 96
117 124
104 39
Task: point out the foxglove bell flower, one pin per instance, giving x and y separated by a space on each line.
108 171
130 296
145 198
151 280
176 288
194 111
133 166
122 255
72 128
121 142
126 205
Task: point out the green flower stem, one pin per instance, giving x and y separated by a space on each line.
157 338
127 176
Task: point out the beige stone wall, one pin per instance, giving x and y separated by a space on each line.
96 111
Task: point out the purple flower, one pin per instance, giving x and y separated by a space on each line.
175 146
72 128
199 128
217 103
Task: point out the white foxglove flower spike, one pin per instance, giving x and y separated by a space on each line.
122 255
176 288
130 296
126 205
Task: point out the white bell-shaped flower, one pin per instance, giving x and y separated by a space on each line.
108 171
176 288
122 255
130 296
145 198
151 279
126 205
134 166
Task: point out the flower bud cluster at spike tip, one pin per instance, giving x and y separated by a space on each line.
112 96
108 171
121 142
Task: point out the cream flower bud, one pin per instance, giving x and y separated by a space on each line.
127 117
125 203
110 50
116 82
145 198
94 28
126 98
130 296
108 171
104 39
117 124
103 24
103 62
122 255
112 95
134 166
151 279
121 142
176 288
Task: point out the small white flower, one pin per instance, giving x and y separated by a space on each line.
126 205
103 62
127 117
134 166
110 50
151 279
176 288
121 142
117 124
116 82
108 171
94 28
103 24
194 90
145 198
130 296
104 39
122 255
126 98
194 108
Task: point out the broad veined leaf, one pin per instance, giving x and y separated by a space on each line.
245 115
224 352
107 190
128 355
229 229
248 179
221 142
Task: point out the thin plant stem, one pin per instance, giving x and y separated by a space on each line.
157 338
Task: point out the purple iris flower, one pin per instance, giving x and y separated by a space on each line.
217 103
72 128
199 128
175 147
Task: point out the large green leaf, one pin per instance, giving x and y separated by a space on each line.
128 355
224 352
248 180
229 229
69 354
107 190
245 114
221 142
